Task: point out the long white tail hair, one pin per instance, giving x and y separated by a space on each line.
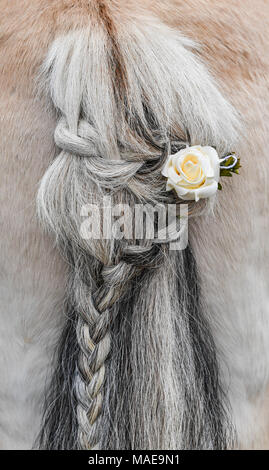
137 365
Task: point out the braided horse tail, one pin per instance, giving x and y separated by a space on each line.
137 366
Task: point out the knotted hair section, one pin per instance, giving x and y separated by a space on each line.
83 143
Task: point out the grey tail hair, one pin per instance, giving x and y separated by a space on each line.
137 367
205 424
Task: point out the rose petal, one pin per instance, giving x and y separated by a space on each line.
166 166
207 190
214 160
173 175
181 191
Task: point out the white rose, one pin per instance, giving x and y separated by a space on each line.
193 172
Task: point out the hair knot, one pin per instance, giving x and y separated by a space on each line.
82 143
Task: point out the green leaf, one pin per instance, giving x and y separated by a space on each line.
228 172
219 186
225 172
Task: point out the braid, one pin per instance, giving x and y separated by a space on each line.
94 340
112 133
96 313
99 282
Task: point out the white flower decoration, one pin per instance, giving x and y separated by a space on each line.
193 172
